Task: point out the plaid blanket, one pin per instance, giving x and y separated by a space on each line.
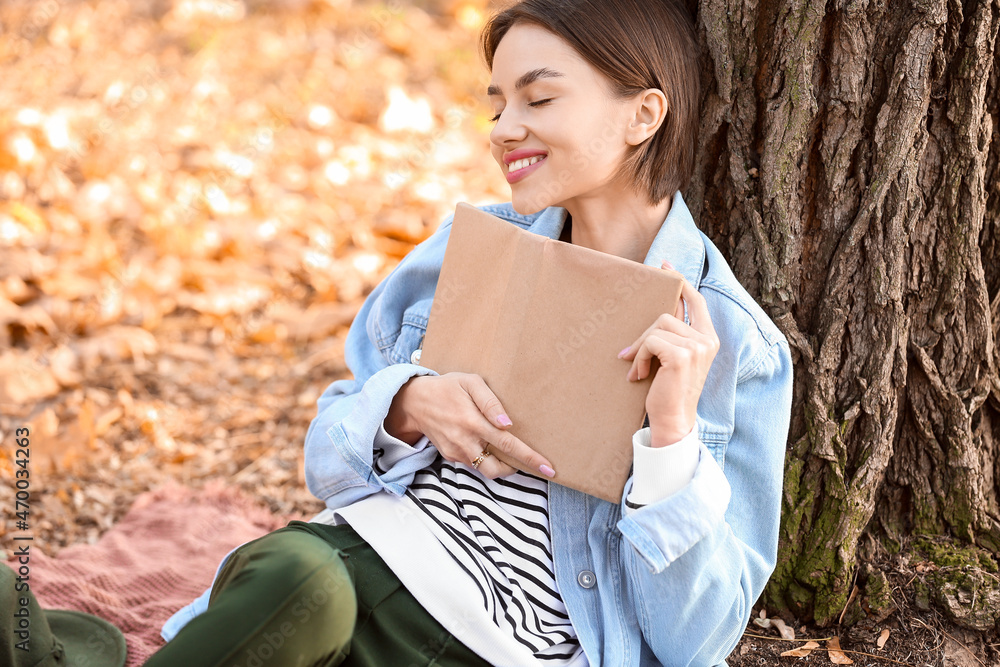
160 556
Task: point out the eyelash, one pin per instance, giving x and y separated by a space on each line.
530 104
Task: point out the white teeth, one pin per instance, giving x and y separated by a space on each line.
517 165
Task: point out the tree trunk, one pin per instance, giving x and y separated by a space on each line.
849 167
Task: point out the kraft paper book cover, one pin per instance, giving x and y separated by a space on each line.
542 321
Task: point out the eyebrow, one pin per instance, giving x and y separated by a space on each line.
526 80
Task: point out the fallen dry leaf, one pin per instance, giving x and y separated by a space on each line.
64 365
783 629
802 651
119 342
85 420
24 380
836 656
106 420
181 251
882 638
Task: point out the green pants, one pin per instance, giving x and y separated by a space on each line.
310 594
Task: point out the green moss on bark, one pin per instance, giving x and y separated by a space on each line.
963 582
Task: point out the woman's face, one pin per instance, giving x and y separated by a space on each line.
560 133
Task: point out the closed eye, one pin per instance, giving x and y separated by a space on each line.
538 103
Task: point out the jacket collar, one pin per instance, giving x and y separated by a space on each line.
678 241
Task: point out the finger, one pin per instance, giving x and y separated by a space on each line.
698 314
486 400
629 352
663 323
662 345
512 447
679 309
489 404
493 467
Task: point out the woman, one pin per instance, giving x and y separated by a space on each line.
433 551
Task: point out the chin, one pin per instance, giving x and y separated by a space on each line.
528 205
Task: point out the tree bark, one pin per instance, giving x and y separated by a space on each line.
849 168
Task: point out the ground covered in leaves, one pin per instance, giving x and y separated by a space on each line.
195 198
905 630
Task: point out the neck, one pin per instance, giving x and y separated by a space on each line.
625 227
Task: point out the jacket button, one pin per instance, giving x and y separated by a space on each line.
415 356
586 579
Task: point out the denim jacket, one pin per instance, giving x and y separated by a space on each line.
670 583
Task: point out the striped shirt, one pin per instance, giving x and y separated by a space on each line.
497 530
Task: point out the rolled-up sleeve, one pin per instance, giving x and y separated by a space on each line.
703 554
340 443
659 472
343 461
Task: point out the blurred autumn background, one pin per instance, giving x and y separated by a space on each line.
195 198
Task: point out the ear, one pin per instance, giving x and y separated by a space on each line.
650 109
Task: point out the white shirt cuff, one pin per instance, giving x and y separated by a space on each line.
394 449
662 471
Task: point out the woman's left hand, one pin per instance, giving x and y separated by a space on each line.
685 353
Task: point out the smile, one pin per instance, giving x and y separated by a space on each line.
518 169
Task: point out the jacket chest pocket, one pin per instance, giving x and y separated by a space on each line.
407 346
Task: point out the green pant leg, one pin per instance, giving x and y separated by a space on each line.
392 628
285 599
397 631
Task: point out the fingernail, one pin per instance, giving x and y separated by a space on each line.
628 375
624 352
505 420
668 264
547 471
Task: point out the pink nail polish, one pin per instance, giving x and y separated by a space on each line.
547 471
505 420
668 264
624 352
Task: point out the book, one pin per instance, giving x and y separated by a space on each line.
542 321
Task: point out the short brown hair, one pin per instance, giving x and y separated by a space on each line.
637 45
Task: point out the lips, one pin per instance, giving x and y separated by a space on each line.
522 153
518 165
522 162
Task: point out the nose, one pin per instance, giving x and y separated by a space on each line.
508 128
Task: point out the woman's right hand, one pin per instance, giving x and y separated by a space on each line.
461 416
